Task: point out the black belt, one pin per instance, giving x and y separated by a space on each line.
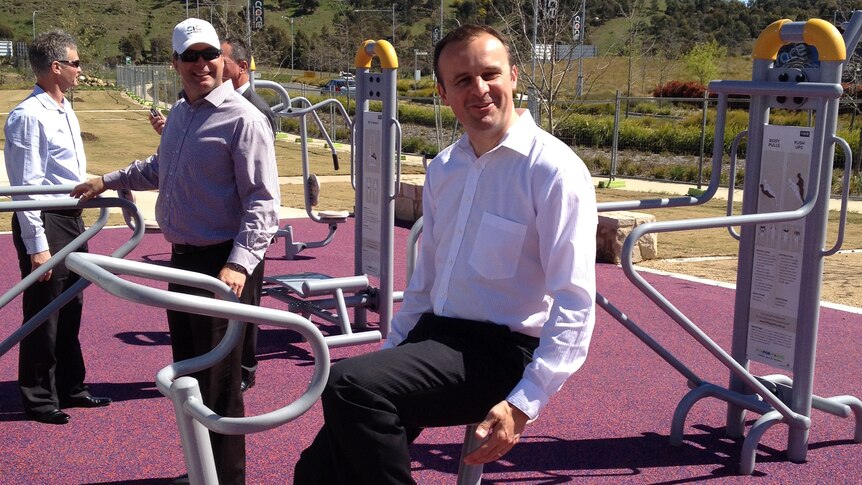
67 212
189 249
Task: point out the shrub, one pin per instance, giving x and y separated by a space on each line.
679 89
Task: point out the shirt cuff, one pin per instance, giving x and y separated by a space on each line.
36 245
529 398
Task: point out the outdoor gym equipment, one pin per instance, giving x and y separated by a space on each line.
783 223
301 108
102 203
194 418
375 175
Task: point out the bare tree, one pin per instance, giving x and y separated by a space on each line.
552 57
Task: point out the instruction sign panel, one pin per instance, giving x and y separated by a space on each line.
372 184
777 266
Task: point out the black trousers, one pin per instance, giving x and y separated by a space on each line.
194 335
447 372
50 362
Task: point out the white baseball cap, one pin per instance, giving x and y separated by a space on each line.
193 31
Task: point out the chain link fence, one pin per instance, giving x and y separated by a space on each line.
157 84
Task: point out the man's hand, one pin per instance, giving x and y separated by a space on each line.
158 122
38 259
89 189
501 430
233 276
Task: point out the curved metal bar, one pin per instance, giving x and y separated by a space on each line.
714 179
845 194
301 113
731 183
749 445
682 320
100 269
412 244
102 203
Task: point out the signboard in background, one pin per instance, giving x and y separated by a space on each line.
6 49
257 15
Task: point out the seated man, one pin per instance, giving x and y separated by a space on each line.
500 309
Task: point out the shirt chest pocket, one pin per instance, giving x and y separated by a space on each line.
497 249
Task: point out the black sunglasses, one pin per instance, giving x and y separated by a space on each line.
75 64
193 56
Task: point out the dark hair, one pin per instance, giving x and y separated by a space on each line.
48 47
468 32
238 49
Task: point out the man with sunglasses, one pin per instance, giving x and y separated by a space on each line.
44 147
218 206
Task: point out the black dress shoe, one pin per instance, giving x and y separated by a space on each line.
85 402
247 384
54 416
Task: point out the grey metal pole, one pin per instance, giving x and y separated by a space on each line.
34 24
702 139
292 43
580 85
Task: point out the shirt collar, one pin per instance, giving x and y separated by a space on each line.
46 99
217 96
518 138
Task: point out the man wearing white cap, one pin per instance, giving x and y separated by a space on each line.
218 206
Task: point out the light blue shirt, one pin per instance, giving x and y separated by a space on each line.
216 174
43 147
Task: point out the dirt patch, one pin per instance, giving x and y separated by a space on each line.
88 136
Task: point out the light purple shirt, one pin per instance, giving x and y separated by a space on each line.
43 147
216 174
510 238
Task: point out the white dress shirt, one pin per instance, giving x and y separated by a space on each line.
43 147
509 238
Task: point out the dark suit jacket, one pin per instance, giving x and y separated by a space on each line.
261 105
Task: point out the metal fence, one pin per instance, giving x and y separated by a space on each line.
158 84
657 138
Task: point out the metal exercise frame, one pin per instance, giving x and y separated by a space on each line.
375 175
778 398
301 108
57 258
194 418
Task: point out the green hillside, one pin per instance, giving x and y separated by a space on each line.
639 42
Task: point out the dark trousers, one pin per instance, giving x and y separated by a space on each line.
50 362
447 372
194 335
249 339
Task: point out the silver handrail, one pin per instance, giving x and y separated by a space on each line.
60 204
103 270
194 417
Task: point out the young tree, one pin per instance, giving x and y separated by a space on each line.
701 62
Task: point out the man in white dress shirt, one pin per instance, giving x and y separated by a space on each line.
500 309
44 147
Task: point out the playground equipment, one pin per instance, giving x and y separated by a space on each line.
781 243
301 108
375 175
194 418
